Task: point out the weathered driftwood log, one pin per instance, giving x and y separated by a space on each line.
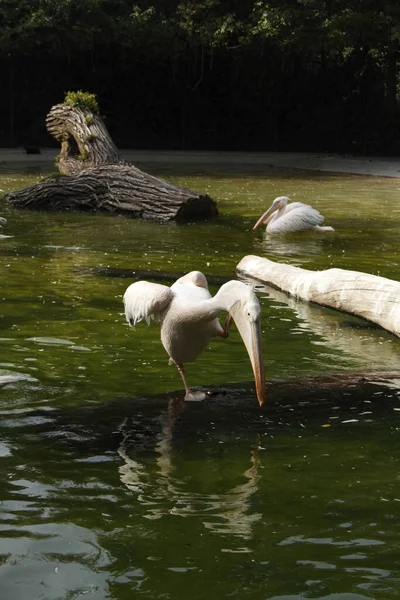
374 298
116 188
85 141
351 336
94 179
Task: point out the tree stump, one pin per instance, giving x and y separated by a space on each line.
85 141
376 299
94 179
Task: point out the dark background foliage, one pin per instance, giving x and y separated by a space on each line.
313 75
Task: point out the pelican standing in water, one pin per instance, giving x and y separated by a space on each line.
189 320
282 217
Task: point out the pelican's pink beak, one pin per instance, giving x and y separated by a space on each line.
265 216
250 332
257 362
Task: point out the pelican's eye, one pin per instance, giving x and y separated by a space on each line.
252 311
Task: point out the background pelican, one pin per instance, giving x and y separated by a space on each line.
188 316
3 221
282 217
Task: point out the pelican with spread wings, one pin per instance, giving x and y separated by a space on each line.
282 217
188 315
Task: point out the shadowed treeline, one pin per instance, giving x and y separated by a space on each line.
207 75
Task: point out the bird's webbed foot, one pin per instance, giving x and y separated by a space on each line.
195 396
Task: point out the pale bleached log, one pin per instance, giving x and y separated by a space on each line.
373 298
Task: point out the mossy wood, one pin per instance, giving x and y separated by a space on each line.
95 179
85 141
376 299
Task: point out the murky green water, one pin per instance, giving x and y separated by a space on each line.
112 488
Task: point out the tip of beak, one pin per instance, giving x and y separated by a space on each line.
261 399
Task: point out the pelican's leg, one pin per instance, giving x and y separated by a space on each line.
224 334
189 395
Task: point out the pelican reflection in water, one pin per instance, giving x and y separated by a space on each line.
189 320
161 492
282 217
302 248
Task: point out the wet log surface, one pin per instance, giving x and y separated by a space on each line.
119 189
94 179
376 299
334 400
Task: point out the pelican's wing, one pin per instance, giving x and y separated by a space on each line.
297 217
143 300
192 287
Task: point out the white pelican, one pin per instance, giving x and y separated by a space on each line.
188 316
282 217
3 221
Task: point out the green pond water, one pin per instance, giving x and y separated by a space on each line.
112 488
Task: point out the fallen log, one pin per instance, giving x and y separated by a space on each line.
93 178
119 189
353 337
373 298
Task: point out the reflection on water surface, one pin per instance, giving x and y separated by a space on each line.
111 486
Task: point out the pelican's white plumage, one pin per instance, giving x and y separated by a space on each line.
282 217
189 319
146 300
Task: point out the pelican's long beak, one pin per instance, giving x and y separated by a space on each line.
251 336
265 216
